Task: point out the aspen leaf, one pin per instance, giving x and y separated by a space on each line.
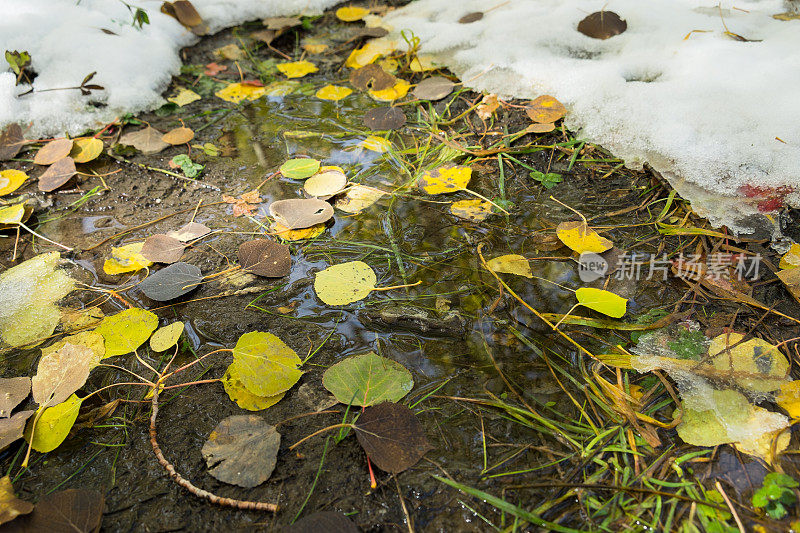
12 429
325 184
266 258
370 52
11 180
11 506
147 140
86 149
422 63
126 258
351 13
433 88
14 391
297 234
391 436
167 337
371 77
384 118
184 97
755 364
398 90
53 425
171 282
13 214
602 301
127 330
242 450
602 25
791 259
238 92
299 168
88 339
545 109
189 232
57 174
177 136
298 213
11 142
245 399
161 248
445 179
296 69
367 379
376 144
264 364
61 373
789 398
475 210
511 264
578 236
333 93
357 198
345 283
53 151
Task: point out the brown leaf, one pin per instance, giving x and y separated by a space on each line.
602 25
392 436
11 429
162 249
488 106
265 258
11 506
88 420
433 88
791 279
189 232
57 174
301 213
73 511
545 109
53 151
265 36
242 450
147 140
471 17
384 118
14 390
177 136
329 521
281 23
372 78
540 128
11 142
246 204
61 373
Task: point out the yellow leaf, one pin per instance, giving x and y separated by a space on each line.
756 364
245 399
511 264
126 258
297 234
475 210
358 198
351 13
86 149
389 65
297 69
790 259
370 52
53 425
345 283
602 301
90 339
167 337
423 63
12 214
183 97
376 144
313 47
127 330
581 238
398 90
445 179
236 92
281 88
264 364
11 180
333 92
789 398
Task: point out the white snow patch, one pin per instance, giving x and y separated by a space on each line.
66 42
704 111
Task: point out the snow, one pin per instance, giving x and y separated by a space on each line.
704 111
66 42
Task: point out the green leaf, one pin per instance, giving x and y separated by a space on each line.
53 425
264 364
18 60
190 169
602 301
126 331
548 180
300 168
368 379
245 399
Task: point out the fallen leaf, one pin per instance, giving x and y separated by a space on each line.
545 109
53 151
53 425
296 69
13 214
265 258
178 136
265 36
186 96
147 140
313 47
11 180
162 249
189 232
384 118
323 185
212 69
14 391
281 23
333 93
473 210
445 179
755 364
392 437
184 12
78 319
578 236
398 90
299 168
371 77
11 506
471 17
323 521
85 149
264 364
165 338
245 399
245 204
126 258
345 283
367 379
423 63
351 13
540 128
126 331
357 198
11 429
788 398
11 142
605 302
88 339
237 92
66 511
57 174
487 107
511 264
171 282
602 25
791 280
230 51
61 373
242 450
433 88
376 144
370 52
299 213
285 233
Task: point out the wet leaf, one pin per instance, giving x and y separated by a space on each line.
281 88
325 184
230 51
392 437
264 364
167 337
87 339
147 140
11 506
265 36
11 180
66 511
246 204
13 214
371 77
345 283
85 149
296 234
53 151
265 258
126 331
61 373
548 180
471 17
78 319
301 213
545 109
28 293
376 144
398 90
578 236
791 280
171 282
445 179
602 25
299 168
756 364
384 118
11 429
11 142
433 88
281 23
487 107
605 302
423 63
511 264
184 97
296 69
357 198
333 93
162 249
126 258
238 92
540 128
189 232
245 399
473 210
53 425
367 379
178 136
313 46
14 390
370 52
351 13
213 69
242 450
57 174
789 398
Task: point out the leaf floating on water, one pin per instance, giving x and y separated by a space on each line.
184 97
245 399
545 110
472 210
511 264
171 282
392 437
376 144
357 198
297 234
299 168
368 379
384 118
11 429
398 90
178 136
242 450
299 213
53 425
126 258
14 391
246 204
13 214
127 330
87 339
333 93
325 184
53 151
147 140
578 236
265 258
264 364
238 92
167 337
11 142
86 149
605 302
72 510
602 25
57 174
296 69
323 521
370 52
345 283
162 249
189 232
445 179
11 506
433 88
11 180
371 77
471 17
351 13
61 373
758 365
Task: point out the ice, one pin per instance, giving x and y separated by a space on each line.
716 116
66 42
